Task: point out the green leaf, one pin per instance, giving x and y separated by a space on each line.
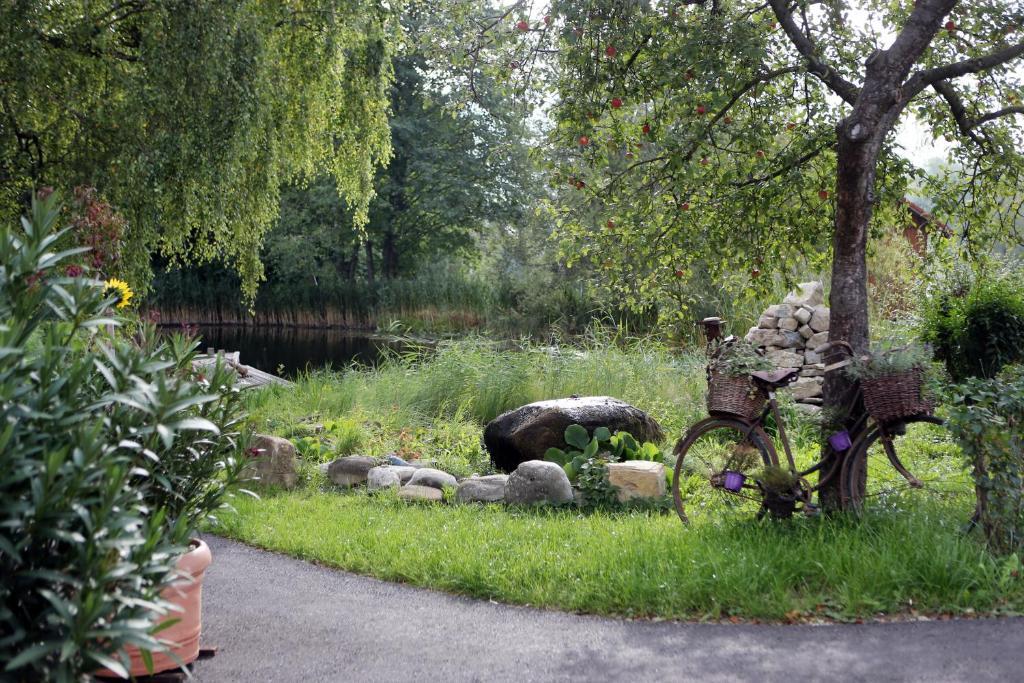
577 436
556 455
602 434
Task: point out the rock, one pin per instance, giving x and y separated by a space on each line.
537 481
805 331
814 401
351 470
405 473
428 476
528 432
806 387
395 460
759 337
815 370
489 489
802 315
817 340
779 311
767 322
809 409
820 319
785 359
426 494
323 467
807 294
811 358
637 479
383 477
273 462
789 340
789 324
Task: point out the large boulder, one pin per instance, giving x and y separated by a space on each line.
538 481
273 462
527 433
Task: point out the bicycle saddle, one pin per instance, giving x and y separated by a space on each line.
775 379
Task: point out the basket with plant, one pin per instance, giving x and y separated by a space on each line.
730 390
892 380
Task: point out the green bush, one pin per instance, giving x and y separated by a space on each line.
111 453
987 418
976 327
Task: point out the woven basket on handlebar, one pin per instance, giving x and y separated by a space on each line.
734 395
889 398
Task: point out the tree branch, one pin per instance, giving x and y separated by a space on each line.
825 72
959 111
922 79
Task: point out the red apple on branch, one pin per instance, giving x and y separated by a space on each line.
584 141
646 129
522 25
616 103
610 51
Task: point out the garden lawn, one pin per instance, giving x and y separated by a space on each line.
644 565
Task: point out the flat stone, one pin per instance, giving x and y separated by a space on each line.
383 477
805 331
759 337
428 476
788 324
815 370
350 470
808 409
767 322
426 494
526 433
806 294
785 359
537 481
820 319
817 340
272 462
489 489
779 310
811 358
802 315
637 479
789 340
806 387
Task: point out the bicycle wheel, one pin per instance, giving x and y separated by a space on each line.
715 466
923 447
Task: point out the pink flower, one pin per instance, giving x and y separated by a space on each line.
73 270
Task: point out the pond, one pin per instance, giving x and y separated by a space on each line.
287 351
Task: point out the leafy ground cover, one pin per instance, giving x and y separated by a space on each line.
906 556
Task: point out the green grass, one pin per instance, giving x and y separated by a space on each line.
907 554
643 565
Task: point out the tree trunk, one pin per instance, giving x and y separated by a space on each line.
857 157
369 262
389 256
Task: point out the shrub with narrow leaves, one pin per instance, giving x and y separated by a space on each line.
111 454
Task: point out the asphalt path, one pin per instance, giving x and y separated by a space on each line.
275 618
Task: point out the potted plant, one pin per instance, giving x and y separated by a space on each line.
892 381
730 389
781 489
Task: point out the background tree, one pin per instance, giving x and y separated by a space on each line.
189 115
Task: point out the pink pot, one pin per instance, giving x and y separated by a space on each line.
183 637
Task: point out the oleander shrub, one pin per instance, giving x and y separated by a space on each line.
976 325
112 451
987 417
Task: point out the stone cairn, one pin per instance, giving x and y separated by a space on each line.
789 332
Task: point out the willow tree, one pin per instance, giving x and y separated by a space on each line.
739 136
188 115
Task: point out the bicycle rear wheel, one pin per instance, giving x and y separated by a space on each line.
715 467
923 447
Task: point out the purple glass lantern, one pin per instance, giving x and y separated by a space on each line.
733 481
839 441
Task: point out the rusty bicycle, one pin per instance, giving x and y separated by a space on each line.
728 464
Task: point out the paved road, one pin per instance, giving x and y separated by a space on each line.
280 619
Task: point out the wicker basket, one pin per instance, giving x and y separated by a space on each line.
889 398
733 395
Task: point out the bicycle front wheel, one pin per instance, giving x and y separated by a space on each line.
716 467
899 466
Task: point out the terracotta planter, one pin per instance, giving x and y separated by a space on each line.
183 637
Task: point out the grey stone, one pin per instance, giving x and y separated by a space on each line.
809 409
350 470
806 294
815 370
637 479
811 358
806 387
528 432
272 462
805 331
759 337
785 359
428 476
817 340
802 315
789 340
426 494
767 322
489 489
384 477
537 481
779 310
789 324
820 319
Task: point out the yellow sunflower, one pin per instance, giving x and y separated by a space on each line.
121 289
